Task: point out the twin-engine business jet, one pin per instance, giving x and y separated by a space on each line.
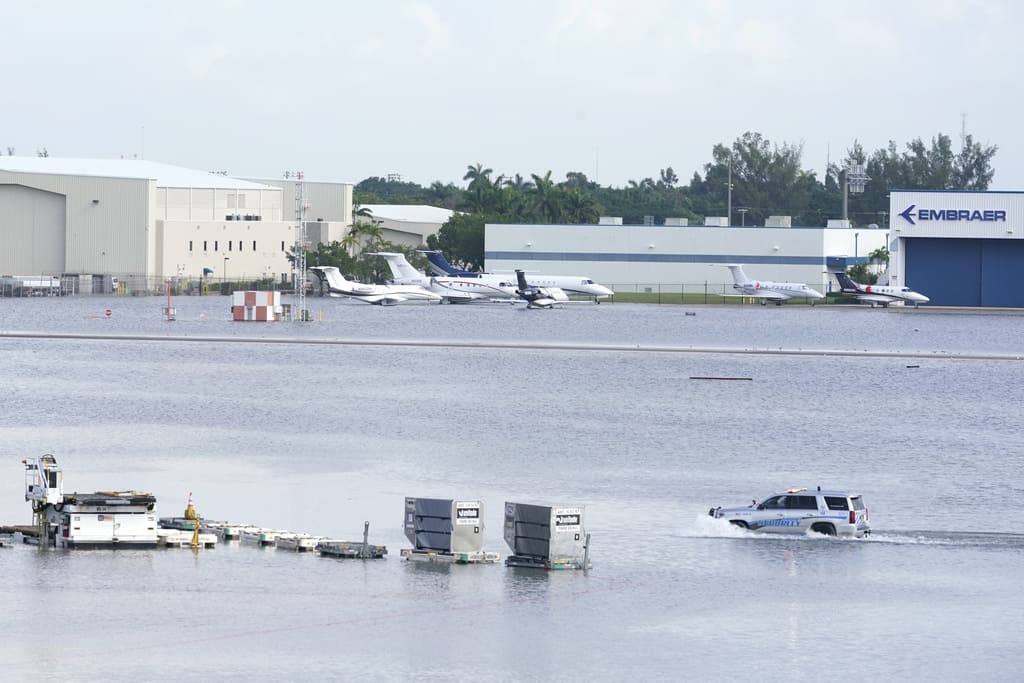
451 288
382 295
878 294
572 284
538 297
770 291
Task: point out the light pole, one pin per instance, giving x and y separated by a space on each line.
855 236
226 259
728 185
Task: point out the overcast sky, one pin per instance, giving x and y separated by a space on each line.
617 89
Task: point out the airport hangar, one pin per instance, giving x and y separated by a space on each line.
679 257
408 225
142 222
957 248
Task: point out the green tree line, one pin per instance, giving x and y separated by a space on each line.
766 179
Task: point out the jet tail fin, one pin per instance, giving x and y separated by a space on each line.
335 280
738 276
400 267
521 279
439 264
845 283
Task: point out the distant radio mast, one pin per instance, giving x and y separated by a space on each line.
963 132
299 277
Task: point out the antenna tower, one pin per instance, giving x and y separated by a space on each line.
963 132
299 277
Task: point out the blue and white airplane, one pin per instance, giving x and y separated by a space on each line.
766 291
570 284
879 294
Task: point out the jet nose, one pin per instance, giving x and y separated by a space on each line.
920 298
601 290
814 294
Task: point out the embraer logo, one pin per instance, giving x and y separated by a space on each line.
990 215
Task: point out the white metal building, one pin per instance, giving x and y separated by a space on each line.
624 257
959 248
408 224
142 221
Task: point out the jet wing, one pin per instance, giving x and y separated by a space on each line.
384 299
877 298
771 295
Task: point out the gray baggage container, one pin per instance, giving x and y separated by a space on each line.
444 525
545 535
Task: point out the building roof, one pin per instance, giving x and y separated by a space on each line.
165 175
409 213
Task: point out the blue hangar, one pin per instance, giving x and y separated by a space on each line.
962 248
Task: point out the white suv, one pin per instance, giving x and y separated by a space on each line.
798 511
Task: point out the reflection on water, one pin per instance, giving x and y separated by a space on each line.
320 438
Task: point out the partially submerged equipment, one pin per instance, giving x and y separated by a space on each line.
446 530
104 519
351 549
545 537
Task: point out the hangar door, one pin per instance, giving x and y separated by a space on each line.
965 272
31 231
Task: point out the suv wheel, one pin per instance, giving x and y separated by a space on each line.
824 528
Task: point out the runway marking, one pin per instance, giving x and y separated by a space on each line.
540 346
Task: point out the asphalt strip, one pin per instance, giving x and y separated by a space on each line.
542 346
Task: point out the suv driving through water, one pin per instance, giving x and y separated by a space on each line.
798 511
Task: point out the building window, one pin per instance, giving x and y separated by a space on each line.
239 245
282 246
254 245
204 245
241 200
216 245
190 245
229 245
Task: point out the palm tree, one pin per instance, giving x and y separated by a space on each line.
878 257
547 199
580 207
479 185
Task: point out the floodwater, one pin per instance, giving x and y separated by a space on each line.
320 437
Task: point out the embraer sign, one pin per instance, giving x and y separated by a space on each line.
987 216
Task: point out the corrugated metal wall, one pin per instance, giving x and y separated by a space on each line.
966 272
31 231
106 221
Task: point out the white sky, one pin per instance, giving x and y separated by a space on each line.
617 89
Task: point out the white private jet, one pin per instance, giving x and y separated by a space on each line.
538 297
570 284
451 289
770 291
382 295
879 294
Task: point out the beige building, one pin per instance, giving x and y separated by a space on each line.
407 224
144 222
